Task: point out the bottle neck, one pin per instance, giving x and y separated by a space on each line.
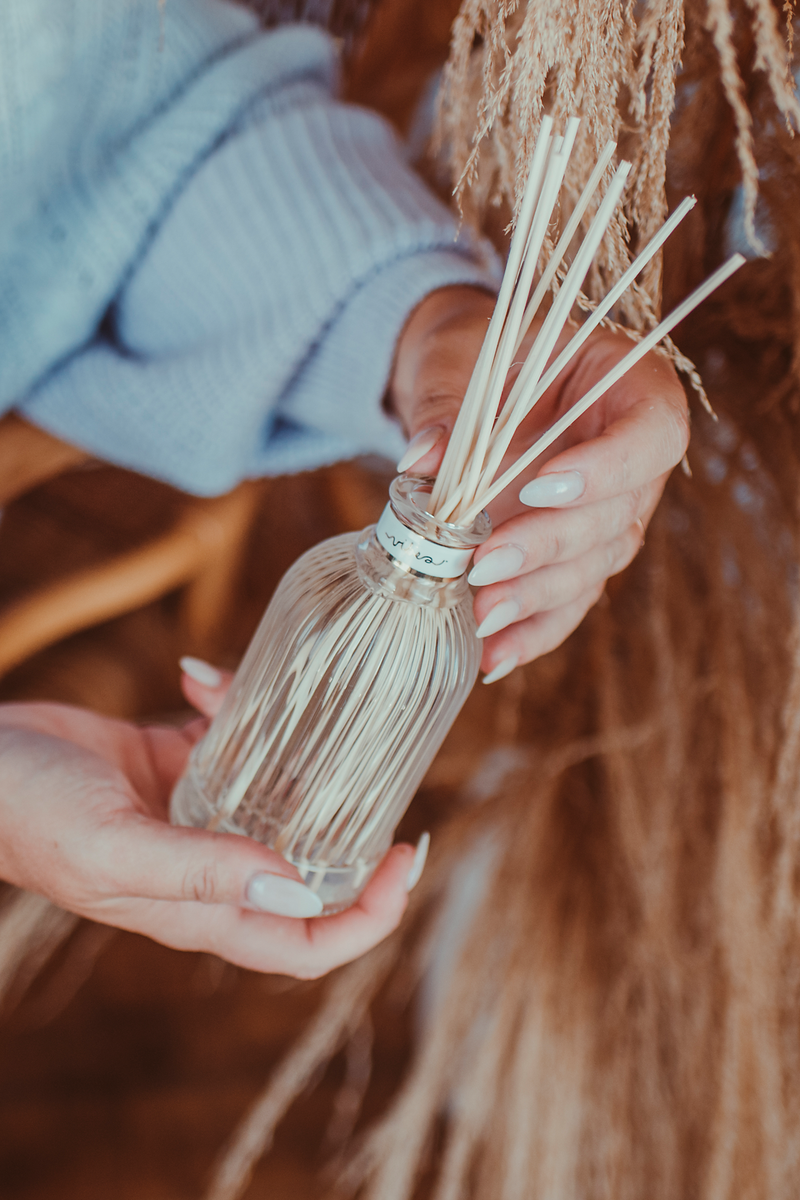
410 555
411 548
395 580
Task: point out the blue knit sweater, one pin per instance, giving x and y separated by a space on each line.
205 258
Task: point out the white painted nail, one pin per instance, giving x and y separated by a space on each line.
420 858
497 565
420 444
501 670
501 615
548 491
282 897
201 672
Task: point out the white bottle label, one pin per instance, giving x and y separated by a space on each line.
416 552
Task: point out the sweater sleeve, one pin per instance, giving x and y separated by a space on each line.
255 333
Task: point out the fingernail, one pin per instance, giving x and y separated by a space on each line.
420 444
418 865
282 897
501 615
502 669
503 563
201 672
548 491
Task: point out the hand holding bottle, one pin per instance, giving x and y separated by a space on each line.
83 821
593 493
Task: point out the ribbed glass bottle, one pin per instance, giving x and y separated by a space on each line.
360 665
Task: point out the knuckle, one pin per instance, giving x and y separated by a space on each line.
611 558
623 549
202 884
548 589
594 594
615 557
310 970
630 511
553 542
679 431
559 539
586 601
624 471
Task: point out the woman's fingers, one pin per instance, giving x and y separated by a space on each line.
500 605
78 828
304 948
85 836
529 639
535 539
204 686
424 453
135 855
378 911
541 571
641 444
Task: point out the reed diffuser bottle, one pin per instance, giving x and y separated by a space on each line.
358 669
368 649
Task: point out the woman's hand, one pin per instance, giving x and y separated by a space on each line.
83 821
593 492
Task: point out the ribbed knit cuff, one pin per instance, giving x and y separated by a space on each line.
333 409
143 415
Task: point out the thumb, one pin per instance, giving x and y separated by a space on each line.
434 361
425 450
148 858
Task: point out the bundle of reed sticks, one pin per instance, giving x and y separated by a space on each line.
468 479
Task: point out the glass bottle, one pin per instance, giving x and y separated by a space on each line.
359 667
